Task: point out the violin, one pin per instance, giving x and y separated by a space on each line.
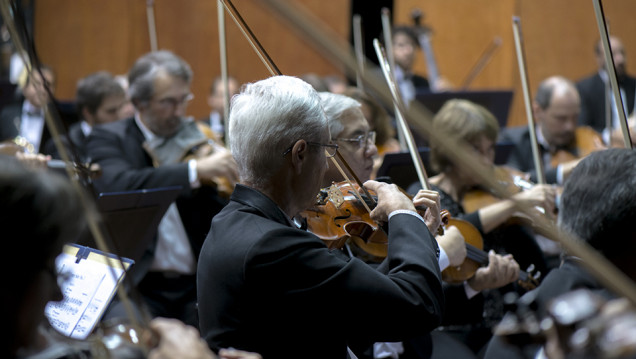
514 180
586 141
338 217
193 140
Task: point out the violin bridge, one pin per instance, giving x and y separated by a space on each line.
335 195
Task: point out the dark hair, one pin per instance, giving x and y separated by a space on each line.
598 204
94 88
406 30
40 212
546 89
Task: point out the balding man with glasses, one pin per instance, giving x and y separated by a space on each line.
145 152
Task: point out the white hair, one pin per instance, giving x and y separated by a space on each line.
266 118
336 107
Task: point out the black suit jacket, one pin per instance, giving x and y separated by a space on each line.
592 91
74 142
266 286
117 148
522 159
10 120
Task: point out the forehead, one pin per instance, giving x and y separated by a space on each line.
354 123
166 85
402 38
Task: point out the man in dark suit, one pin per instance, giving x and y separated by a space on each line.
216 100
25 119
464 303
598 206
144 152
556 109
595 91
258 269
405 45
98 100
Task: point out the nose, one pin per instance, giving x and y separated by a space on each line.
371 150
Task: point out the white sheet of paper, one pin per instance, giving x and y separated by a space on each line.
86 295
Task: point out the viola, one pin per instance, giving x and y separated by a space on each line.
514 180
338 216
586 141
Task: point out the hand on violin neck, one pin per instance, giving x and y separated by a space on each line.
454 244
543 196
428 205
501 270
390 199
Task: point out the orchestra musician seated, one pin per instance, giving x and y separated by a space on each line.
155 149
352 133
98 99
258 267
561 142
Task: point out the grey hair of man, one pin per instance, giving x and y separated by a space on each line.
142 75
549 86
598 204
268 117
336 108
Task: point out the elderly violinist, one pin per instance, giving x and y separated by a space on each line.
268 286
138 153
350 131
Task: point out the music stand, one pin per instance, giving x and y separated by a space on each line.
131 218
496 101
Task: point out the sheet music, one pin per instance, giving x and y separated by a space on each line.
87 291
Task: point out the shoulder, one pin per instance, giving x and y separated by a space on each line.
118 128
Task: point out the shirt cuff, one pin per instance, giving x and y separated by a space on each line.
559 175
443 260
470 292
193 175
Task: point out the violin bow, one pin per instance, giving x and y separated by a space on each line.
410 141
338 51
152 30
274 71
523 72
357 43
424 38
481 63
611 71
388 41
11 13
223 62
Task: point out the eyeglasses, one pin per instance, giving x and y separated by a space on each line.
330 148
363 140
171 103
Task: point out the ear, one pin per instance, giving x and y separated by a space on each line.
536 111
87 116
299 155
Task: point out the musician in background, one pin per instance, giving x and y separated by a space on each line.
98 99
598 206
595 90
26 118
142 153
216 101
463 303
556 108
